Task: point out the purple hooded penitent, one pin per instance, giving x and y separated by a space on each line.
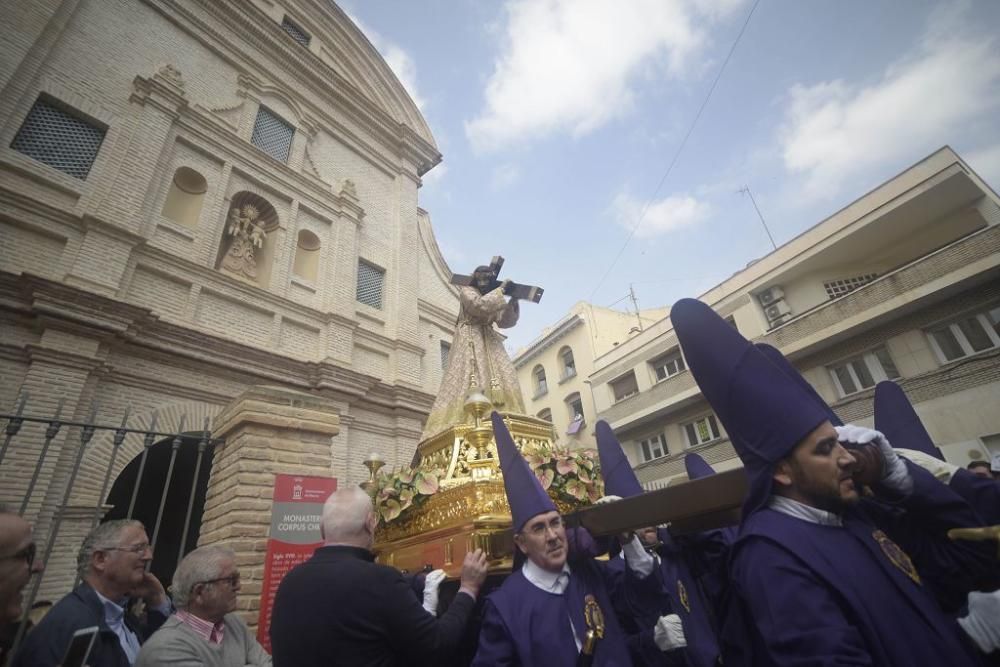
619 478
779 360
525 494
896 418
765 411
697 467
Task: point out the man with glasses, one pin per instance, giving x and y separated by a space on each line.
204 631
17 564
112 562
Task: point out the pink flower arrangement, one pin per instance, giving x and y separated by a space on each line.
399 490
569 475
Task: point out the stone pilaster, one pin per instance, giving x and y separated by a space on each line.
267 430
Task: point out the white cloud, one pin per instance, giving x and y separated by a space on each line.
570 65
834 129
505 176
398 60
658 217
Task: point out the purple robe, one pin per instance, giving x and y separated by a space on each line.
813 594
983 494
528 627
681 593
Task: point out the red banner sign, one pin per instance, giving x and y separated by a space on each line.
295 517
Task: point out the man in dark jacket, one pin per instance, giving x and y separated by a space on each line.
112 562
341 608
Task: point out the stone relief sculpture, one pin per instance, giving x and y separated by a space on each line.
247 237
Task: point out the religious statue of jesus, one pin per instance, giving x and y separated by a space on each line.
477 350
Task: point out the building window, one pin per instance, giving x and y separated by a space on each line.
668 365
863 371
837 288
541 385
186 195
545 414
297 33
577 420
653 448
568 363
702 430
272 135
967 336
445 354
306 264
60 138
370 279
624 386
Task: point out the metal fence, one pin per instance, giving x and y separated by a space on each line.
165 445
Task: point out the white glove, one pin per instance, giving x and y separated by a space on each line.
942 470
895 476
983 622
431 584
606 499
668 633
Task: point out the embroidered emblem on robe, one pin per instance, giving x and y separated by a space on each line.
896 555
683 595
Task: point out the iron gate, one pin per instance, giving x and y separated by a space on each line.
177 443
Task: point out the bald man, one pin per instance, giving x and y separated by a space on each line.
342 608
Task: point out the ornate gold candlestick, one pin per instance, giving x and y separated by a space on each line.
374 463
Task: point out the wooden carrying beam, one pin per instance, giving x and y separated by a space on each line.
695 506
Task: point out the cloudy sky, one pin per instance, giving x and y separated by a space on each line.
573 143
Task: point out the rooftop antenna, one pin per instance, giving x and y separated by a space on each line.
745 190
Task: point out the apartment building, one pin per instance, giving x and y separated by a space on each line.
901 284
553 369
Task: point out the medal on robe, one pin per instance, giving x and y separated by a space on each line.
594 618
683 595
896 555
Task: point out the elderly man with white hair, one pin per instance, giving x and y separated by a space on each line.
342 608
204 631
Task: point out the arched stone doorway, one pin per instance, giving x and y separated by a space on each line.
170 537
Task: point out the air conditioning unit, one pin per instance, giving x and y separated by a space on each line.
770 295
778 310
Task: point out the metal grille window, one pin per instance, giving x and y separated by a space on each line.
59 139
370 279
864 371
445 353
297 33
272 135
653 448
702 431
836 288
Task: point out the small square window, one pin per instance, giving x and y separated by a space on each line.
702 430
370 279
272 134
653 448
445 354
61 139
668 365
624 386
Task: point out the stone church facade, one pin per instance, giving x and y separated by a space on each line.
208 211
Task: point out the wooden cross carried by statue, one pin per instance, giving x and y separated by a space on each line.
524 292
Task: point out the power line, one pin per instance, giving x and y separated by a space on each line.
680 148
